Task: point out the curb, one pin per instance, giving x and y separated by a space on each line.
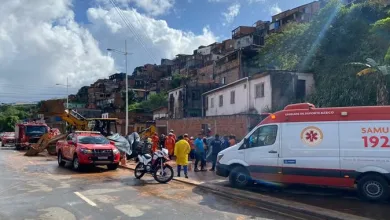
273 204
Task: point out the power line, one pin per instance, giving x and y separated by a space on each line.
132 29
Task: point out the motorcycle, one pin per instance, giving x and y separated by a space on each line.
155 165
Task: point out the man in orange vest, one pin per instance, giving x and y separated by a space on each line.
170 144
156 141
173 134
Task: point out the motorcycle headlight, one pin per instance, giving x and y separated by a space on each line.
86 151
116 151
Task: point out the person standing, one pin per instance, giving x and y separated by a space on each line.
173 134
216 147
162 141
186 138
155 141
182 149
225 143
170 144
192 153
232 140
199 153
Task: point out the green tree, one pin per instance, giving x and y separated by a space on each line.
336 36
10 115
371 67
177 80
154 101
131 96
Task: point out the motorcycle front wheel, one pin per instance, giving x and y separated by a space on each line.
139 171
164 174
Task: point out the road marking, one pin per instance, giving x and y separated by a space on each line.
85 199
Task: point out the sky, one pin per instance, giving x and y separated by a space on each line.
46 43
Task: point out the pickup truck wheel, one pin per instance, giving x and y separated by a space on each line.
61 162
112 166
239 177
76 163
373 188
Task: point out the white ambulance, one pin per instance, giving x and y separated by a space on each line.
338 147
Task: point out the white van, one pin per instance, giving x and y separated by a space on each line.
338 147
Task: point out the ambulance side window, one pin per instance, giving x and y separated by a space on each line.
263 136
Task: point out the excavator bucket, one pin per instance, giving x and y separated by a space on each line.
43 143
52 107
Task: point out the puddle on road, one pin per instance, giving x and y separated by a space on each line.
133 211
56 213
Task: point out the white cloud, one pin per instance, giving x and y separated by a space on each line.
231 13
275 9
256 1
158 38
40 45
151 7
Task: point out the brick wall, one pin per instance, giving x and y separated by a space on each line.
223 125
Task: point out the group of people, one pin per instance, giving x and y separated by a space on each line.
203 148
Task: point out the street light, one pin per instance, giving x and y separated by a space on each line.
67 92
125 53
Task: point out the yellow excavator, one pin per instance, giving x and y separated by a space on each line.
105 126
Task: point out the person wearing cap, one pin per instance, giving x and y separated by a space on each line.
155 141
170 144
199 153
192 152
173 134
182 149
186 138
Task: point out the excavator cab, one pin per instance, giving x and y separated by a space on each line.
106 126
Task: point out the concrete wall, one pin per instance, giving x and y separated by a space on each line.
309 78
243 42
260 103
204 50
239 106
174 108
242 97
237 125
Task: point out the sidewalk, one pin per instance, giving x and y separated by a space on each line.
195 178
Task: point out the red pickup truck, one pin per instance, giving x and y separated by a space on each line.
87 148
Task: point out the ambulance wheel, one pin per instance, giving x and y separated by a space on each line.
373 188
239 177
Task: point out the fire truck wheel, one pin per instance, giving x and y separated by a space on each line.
373 187
239 177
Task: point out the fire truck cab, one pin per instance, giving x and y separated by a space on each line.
336 147
28 133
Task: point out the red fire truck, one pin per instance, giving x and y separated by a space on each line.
28 133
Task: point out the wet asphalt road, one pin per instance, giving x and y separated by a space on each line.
36 188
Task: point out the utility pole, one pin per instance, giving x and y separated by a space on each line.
127 94
125 53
